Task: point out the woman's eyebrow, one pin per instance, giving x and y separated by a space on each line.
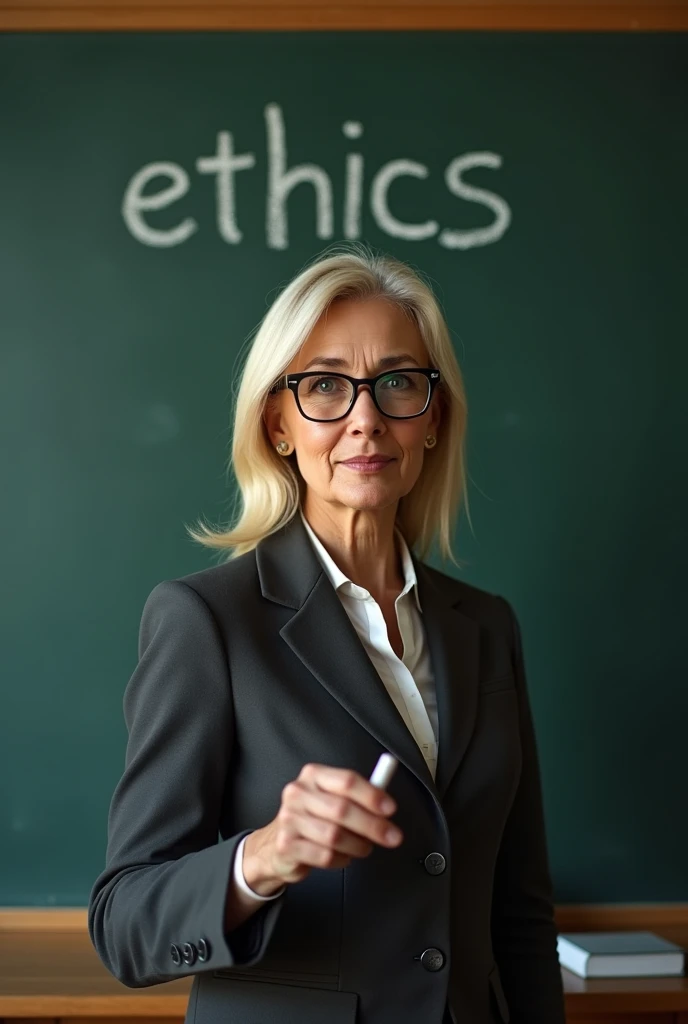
404 357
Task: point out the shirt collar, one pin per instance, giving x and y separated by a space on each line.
341 580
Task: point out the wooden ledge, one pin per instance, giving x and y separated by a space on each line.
570 917
50 972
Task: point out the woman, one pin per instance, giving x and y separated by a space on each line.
246 845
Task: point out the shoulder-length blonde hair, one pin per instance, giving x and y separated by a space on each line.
270 487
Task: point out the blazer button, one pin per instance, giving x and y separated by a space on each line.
432 959
175 954
203 950
435 863
189 953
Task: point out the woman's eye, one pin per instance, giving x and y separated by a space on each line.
322 384
397 382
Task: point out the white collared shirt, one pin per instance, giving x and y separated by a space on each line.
408 680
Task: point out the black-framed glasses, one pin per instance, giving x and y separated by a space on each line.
322 397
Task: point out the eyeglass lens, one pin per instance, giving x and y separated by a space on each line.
398 394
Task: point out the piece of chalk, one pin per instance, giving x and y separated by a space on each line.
383 771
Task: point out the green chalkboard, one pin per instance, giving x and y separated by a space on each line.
145 226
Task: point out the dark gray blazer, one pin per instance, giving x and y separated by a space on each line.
246 672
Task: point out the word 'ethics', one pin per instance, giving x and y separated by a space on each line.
281 180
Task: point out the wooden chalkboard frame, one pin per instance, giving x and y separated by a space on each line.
304 15
402 15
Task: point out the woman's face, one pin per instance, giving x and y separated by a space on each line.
358 333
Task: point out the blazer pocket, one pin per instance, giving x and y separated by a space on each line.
270 976
506 682
262 1002
498 992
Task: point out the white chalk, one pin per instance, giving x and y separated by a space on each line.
383 771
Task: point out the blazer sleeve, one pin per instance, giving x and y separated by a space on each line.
166 874
524 933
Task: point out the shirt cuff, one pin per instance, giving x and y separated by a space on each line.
240 881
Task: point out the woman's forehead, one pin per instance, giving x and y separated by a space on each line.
372 330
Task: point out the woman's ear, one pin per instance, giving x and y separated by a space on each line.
435 415
275 425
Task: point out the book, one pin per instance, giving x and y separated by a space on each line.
619 955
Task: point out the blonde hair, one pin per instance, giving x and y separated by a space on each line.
270 486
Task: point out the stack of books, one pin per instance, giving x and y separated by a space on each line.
619 955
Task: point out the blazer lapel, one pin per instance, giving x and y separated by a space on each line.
453 641
322 636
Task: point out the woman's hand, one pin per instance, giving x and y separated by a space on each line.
327 816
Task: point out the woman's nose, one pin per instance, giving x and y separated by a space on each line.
364 411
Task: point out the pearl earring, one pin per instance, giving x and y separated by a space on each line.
430 441
283 447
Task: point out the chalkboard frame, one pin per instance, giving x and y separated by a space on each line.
315 15
98 16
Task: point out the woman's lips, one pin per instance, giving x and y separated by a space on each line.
367 466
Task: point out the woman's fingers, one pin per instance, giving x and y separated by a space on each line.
338 802
338 816
303 851
348 783
327 816
331 836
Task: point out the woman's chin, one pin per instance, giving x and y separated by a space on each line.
368 495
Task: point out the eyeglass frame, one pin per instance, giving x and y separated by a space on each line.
291 381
